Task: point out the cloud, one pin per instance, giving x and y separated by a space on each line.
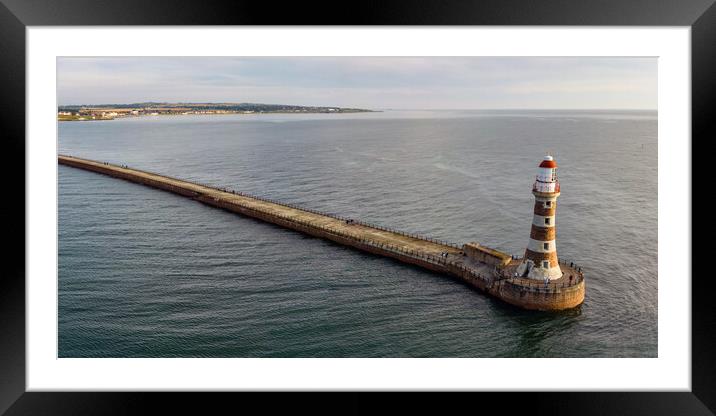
372 82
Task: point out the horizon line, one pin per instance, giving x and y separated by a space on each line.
372 108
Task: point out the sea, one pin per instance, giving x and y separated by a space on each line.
145 273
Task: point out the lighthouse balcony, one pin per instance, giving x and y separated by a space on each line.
545 187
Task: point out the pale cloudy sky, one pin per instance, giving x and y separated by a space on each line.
366 82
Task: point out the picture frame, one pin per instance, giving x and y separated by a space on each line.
16 15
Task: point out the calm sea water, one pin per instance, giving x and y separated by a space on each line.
144 273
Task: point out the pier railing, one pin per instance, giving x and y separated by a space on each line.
446 263
540 287
437 260
296 206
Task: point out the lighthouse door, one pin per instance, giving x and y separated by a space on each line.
528 268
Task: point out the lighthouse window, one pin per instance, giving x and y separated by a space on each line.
546 246
545 264
546 221
548 203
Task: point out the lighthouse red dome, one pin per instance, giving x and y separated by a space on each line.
548 162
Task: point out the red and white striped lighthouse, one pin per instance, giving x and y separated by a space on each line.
540 260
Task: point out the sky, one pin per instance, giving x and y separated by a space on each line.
365 82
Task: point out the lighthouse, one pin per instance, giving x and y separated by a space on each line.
540 261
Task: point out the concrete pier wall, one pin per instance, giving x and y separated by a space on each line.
420 251
540 298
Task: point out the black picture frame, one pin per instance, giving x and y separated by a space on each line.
15 15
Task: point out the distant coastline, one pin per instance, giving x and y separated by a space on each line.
112 111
